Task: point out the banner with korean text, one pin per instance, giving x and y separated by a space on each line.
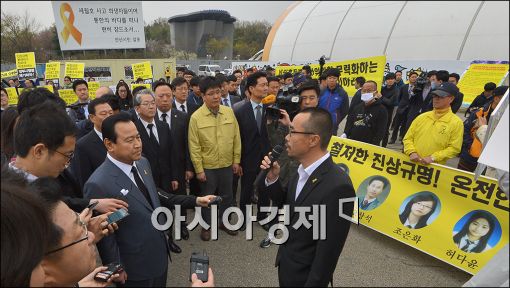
436 209
75 70
478 74
372 68
143 70
25 64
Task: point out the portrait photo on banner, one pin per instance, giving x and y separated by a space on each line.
372 192
477 232
419 210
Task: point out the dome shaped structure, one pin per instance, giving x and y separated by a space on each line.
411 30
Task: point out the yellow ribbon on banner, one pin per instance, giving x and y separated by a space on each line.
69 23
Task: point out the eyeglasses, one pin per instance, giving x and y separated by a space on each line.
423 205
183 88
86 237
297 132
148 104
69 157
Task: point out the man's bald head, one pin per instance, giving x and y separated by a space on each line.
103 90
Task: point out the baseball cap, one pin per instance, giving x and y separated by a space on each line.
298 79
446 89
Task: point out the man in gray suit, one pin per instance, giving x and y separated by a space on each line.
137 245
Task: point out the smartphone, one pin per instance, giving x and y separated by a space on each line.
92 205
104 276
116 216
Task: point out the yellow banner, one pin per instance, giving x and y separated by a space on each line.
477 75
75 70
68 95
133 86
432 208
372 68
25 60
142 70
52 70
93 86
10 73
13 95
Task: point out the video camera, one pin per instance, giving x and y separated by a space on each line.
289 103
76 106
420 84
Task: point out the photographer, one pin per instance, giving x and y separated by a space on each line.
418 96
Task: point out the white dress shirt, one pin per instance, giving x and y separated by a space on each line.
254 106
179 106
126 168
154 129
99 134
168 119
228 101
409 224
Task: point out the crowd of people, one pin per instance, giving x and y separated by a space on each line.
186 141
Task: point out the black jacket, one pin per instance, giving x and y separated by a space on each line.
403 102
72 192
179 132
367 123
356 99
390 96
479 102
302 260
89 154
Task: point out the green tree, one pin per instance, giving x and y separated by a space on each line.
18 34
216 46
250 37
158 30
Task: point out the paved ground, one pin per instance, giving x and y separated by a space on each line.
368 259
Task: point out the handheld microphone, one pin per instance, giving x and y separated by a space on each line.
275 154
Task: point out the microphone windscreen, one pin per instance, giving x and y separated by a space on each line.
269 99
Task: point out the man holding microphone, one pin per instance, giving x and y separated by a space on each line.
301 260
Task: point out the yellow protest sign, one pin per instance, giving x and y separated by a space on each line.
52 70
93 86
25 64
75 70
13 95
372 68
133 86
10 73
142 70
68 96
477 75
429 207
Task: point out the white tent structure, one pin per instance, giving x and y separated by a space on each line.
411 30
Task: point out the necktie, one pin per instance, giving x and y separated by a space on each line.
141 185
466 247
183 108
225 102
365 202
409 226
258 116
164 116
152 138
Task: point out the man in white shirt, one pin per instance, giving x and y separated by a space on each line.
181 91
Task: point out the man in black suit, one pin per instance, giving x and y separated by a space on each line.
420 100
303 260
81 88
251 117
181 89
227 99
400 119
90 151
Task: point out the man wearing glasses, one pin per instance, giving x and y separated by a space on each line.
303 260
181 92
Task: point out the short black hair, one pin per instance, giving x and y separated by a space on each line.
287 75
221 78
398 72
195 80
272 79
108 126
79 82
208 83
499 91
67 77
231 78
371 81
320 123
360 80
455 75
178 81
181 69
189 72
322 76
431 73
413 73
113 100
489 86
45 123
237 71
249 69
161 83
7 123
379 178
139 79
138 89
332 72
251 81
310 85
307 68
97 101
30 98
390 75
443 75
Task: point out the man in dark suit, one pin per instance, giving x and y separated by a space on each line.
227 99
254 139
181 89
137 245
420 100
303 260
400 119
90 151
195 96
79 112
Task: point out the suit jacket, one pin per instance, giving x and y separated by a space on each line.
403 103
161 158
254 144
234 99
374 204
303 261
84 127
72 193
179 133
89 154
137 245
77 114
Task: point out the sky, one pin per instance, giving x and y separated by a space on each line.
242 10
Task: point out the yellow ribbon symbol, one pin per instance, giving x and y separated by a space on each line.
68 24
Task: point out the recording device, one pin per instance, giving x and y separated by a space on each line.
289 103
199 264
217 200
104 276
420 84
322 61
275 154
92 205
76 106
116 216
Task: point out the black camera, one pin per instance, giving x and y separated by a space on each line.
420 84
289 103
76 106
